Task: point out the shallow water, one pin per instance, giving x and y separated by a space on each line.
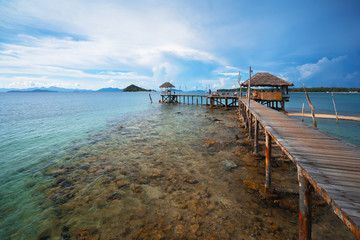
156 172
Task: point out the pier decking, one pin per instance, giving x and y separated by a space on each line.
209 100
325 163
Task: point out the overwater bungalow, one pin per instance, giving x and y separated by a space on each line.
166 90
270 90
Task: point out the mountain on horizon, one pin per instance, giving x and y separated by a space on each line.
35 90
110 89
57 89
134 88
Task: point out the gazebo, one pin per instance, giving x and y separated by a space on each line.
166 88
166 96
273 90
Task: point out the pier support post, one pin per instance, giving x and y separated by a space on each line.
305 192
256 136
246 115
250 125
267 160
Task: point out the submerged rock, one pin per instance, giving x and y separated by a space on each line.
190 180
122 183
229 165
114 196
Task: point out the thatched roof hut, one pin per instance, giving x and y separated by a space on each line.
167 85
266 80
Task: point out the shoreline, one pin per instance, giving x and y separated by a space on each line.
328 116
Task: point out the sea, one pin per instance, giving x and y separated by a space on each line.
56 144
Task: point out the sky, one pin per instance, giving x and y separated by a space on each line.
199 44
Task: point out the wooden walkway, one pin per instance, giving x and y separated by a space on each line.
209 100
325 164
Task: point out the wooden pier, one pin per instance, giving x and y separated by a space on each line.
212 101
325 163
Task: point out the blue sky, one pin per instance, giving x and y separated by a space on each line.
94 44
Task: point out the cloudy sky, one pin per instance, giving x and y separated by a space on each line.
94 44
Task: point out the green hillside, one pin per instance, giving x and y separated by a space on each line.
134 88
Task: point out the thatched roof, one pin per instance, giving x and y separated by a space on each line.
266 80
167 85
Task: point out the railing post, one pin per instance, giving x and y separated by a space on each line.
256 136
267 160
305 192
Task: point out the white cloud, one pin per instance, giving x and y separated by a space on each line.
333 72
69 38
217 83
94 42
309 69
228 73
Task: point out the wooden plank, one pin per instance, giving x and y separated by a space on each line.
330 163
323 170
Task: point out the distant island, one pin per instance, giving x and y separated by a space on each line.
131 88
325 89
35 90
134 88
110 89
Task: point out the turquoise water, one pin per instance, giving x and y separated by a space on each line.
36 130
47 141
347 104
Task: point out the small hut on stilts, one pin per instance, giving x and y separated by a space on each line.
166 93
271 90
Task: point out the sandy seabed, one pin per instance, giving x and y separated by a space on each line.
160 180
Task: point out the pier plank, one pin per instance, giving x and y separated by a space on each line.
331 165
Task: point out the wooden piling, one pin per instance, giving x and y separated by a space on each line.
337 119
150 98
250 125
305 192
256 136
311 107
267 160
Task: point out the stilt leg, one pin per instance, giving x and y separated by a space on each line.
256 136
250 125
305 191
268 160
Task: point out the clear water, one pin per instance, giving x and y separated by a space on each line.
65 158
36 130
347 104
